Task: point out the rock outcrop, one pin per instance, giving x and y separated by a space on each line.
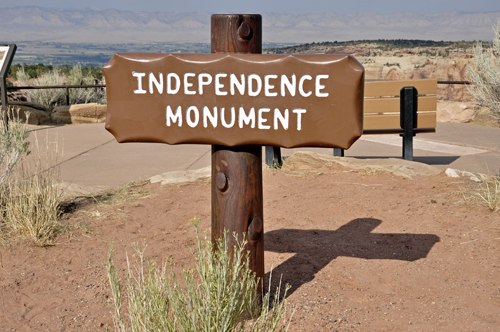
455 111
418 67
35 113
79 114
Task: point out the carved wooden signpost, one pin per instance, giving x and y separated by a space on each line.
237 101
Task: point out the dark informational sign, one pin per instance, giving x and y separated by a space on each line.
237 99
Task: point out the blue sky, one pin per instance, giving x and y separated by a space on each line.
273 6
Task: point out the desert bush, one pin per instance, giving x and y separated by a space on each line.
220 297
87 95
29 195
51 98
485 76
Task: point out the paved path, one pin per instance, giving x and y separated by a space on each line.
89 155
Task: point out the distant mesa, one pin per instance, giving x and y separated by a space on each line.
96 25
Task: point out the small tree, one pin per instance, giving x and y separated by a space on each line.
485 76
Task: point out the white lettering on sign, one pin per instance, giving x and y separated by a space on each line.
320 87
139 76
291 86
282 119
203 79
188 84
173 118
244 118
258 82
268 86
192 117
240 85
253 85
153 80
212 117
219 85
301 86
170 89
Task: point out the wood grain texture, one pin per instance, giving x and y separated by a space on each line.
393 88
391 105
390 121
236 33
237 197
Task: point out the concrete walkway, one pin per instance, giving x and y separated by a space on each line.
88 155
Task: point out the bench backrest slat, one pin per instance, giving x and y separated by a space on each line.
392 88
391 105
382 105
391 121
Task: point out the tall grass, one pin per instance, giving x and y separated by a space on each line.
485 75
51 98
14 145
29 195
219 295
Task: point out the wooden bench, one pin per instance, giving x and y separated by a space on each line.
405 108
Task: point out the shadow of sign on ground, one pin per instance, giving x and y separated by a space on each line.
354 239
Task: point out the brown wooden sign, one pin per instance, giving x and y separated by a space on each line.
235 99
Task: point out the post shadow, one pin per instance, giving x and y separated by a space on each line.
354 239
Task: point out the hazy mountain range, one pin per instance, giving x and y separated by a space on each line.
93 25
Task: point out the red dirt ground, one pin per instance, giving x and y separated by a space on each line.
363 252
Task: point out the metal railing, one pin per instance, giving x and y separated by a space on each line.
67 87
455 82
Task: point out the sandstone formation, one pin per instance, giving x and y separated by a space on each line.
35 113
419 67
79 114
455 111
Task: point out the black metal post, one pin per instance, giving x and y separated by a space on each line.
273 156
67 96
408 118
338 152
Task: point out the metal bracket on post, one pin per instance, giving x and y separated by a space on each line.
273 156
408 119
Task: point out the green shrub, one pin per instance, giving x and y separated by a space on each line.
485 76
220 297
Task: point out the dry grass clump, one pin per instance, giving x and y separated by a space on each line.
486 192
489 193
485 75
219 295
29 195
30 203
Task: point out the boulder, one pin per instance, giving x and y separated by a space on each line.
37 113
304 161
79 114
29 104
454 111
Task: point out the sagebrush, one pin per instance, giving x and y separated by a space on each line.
485 76
51 98
29 195
219 295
